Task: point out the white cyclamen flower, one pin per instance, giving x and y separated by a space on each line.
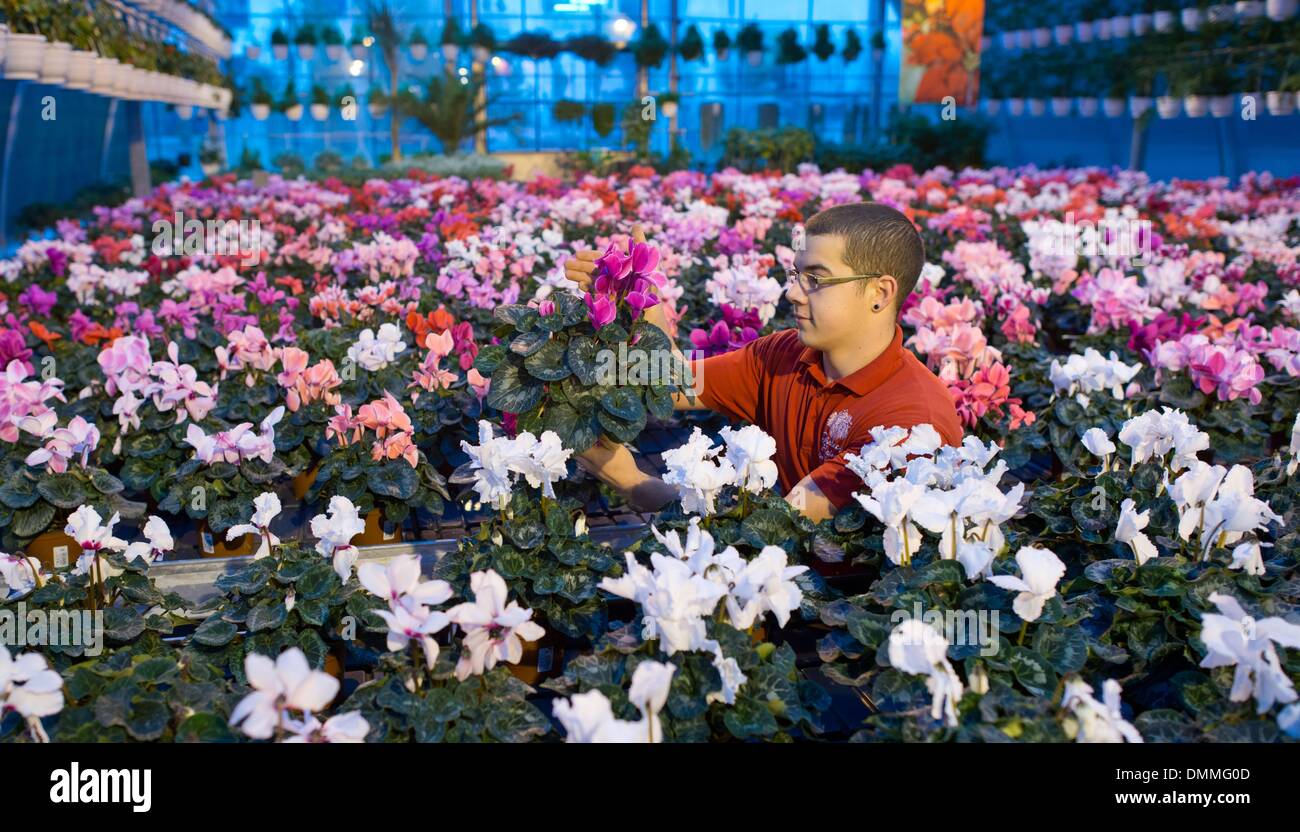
491 462
750 452
20 575
343 728
29 688
891 503
1249 556
765 584
266 507
374 353
1098 443
1294 448
286 684
918 648
1129 530
1234 638
1098 721
1040 571
697 473
334 531
494 630
158 541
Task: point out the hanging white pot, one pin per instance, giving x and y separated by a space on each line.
184 111
1280 103
306 51
993 106
419 51
1121 26
1191 18
1163 20
261 112
1061 106
252 52
1141 24
209 168
450 52
481 54
1280 10
1221 106
1087 105
280 51
1219 13
1113 107
1015 106
81 70
24 56
334 51
1007 39
320 112
54 67
1102 27
1083 31
754 58
293 112
1063 33
1195 105
1168 106
669 109
1138 104
1249 9
1037 106
1042 37
359 51
1024 38
377 110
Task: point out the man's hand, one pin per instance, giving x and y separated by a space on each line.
612 464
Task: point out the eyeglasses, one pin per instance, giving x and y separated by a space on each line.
811 282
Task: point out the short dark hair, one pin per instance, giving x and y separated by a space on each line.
877 238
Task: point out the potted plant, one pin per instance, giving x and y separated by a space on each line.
602 118
320 103
377 103
789 50
1085 28
566 111
482 43
332 38
262 100
1280 10
852 46
305 40
1121 25
822 46
668 104
279 44
289 103
1169 101
592 47
1164 13
1042 35
1116 71
24 44
210 159
1290 86
992 87
877 45
721 44
650 47
1016 87
452 40
1218 85
252 52
1142 17
750 42
1063 33
1249 9
691 47
419 45
357 43
1058 90
1218 13
1140 97
1191 17
1280 100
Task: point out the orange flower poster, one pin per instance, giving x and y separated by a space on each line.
941 51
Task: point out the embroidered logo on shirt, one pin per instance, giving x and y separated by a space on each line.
836 434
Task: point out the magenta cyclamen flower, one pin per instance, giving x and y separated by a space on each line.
600 310
37 300
624 277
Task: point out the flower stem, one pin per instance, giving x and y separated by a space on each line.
1024 625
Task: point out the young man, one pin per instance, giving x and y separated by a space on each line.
820 388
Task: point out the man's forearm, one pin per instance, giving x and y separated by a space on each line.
648 493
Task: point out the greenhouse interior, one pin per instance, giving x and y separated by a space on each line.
667 371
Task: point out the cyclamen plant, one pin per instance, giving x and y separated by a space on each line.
591 366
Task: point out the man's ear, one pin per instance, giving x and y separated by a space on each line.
885 288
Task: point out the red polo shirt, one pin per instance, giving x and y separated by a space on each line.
778 384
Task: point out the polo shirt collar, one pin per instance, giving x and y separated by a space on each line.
862 381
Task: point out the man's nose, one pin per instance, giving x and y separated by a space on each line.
794 293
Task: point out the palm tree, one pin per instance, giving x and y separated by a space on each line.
451 110
384 27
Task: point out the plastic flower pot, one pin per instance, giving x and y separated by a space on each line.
1249 9
1168 106
754 58
1221 106
184 111
1101 27
377 110
378 531
1195 105
252 53
1121 26
481 54
261 112
209 168
293 112
1024 38
212 545
1042 37
359 51
1191 18
1061 106
1220 13
1141 24
306 51
1037 106
993 106
1007 39
1083 31
54 549
669 109
419 51
102 81
1280 103
320 112
542 659
304 481
24 57
1087 106
81 70
1015 106
1113 107
450 52
1064 33
1162 21
1280 10
334 51
54 68
280 51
